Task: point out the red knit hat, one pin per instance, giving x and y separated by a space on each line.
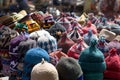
113 65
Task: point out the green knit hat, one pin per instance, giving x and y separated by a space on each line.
92 62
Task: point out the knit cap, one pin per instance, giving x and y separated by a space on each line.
74 34
91 26
88 36
56 30
33 57
47 43
44 71
76 49
64 21
109 36
82 18
36 34
113 65
92 62
69 69
115 28
65 43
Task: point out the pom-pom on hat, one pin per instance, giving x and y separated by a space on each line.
33 57
92 62
44 71
113 65
69 69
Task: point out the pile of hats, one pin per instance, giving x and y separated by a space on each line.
65 47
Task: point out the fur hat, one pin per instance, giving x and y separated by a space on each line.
69 69
113 65
33 57
107 34
44 71
92 62
47 43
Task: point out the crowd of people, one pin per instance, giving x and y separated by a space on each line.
52 43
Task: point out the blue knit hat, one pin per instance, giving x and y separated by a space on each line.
33 57
92 62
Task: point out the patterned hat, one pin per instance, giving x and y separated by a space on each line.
36 34
56 30
65 43
44 71
76 49
92 62
82 18
113 65
88 36
69 69
63 21
109 36
47 43
33 57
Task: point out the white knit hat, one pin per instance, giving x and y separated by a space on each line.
44 71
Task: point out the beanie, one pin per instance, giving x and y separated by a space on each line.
82 18
33 57
88 36
36 34
65 43
92 62
69 69
113 65
47 43
44 71
76 49
64 21
89 26
109 36
56 30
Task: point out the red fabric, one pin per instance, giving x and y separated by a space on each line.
89 26
113 65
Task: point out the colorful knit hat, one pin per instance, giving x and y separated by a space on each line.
33 57
65 43
92 62
63 21
44 71
56 30
109 36
69 69
76 49
114 44
82 18
36 34
47 43
91 26
115 28
113 65
56 55
88 36
74 34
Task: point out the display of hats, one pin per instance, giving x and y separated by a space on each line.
109 36
113 65
47 43
36 34
33 56
88 36
88 26
56 30
76 49
92 62
65 43
69 69
44 71
63 21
